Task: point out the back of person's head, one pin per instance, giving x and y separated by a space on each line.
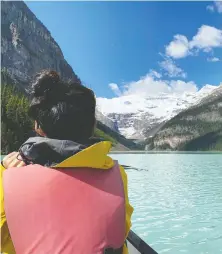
63 110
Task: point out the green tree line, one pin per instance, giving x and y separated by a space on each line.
16 126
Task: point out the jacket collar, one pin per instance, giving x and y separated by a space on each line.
66 154
95 156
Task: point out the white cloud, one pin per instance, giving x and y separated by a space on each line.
146 86
206 39
213 59
179 86
210 8
179 47
217 6
114 87
206 50
155 74
171 69
149 85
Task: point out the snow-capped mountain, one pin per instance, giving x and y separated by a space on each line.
137 115
107 121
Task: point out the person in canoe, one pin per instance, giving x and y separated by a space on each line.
67 196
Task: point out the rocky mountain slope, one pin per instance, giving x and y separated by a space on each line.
197 128
28 47
138 117
106 121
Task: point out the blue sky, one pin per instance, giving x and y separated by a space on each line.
121 42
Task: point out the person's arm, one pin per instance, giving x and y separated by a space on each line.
129 208
6 242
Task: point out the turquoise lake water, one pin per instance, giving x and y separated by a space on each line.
177 200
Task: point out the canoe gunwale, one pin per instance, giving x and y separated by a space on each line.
139 244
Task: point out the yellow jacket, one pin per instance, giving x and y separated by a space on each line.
94 156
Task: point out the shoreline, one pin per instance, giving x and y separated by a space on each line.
166 152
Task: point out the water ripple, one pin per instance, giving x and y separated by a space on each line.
177 200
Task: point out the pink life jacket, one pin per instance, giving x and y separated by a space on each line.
51 211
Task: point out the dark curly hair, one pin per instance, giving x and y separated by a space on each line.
63 110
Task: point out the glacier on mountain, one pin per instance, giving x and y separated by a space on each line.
136 115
